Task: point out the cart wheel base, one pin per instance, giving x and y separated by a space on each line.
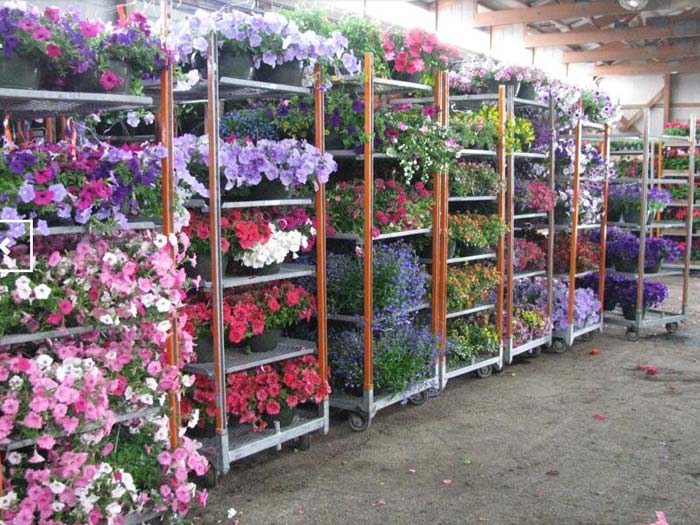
418 399
587 337
484 372
559 346
358 422
535 352
497 368
303 443
632 334
671 328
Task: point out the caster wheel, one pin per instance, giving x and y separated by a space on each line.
672 328
303 443
497 369
632 335
484 372
358 422
559 346
535 352
210 479
587 337
418 399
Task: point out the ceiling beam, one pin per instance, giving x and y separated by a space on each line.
549 12
630 53
692 66
686 28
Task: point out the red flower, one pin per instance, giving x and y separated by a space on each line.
293 296
53 51
292 401
272 408
109 80
43 197
202 230
401 62
273 305
237 331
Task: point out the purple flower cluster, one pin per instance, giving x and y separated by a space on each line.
268 38
292 162
400 283
586 306
622 291
623 246
627 198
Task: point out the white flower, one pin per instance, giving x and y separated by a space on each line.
109 258
106 319
151 383
194 418
14 458
132 119
58 506
188 380
57 487
148 299
127 481
163 326
149 118
118 493
128 393
16 382
23 282
42 292
146 399
160 240
8 500
163 305
43 361
231 513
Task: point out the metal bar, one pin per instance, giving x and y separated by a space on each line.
436 279
691 209
550 221
321 320
574 223
167 126
643 216
605 147
212 113
659 175
505 210
369 215
444 222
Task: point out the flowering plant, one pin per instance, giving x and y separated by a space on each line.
481 75
587 307
598 106
527 255
654 294
416 51
590 205
403 355
623 250
258 395
468 284
534 195
677 129
473 229
421 145
395 208
529 324
678 159
290 161
627 198
128 282
269 39
470 338
469 179
479 129
587 253
96 184
400 283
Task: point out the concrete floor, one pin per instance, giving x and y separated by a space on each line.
521 448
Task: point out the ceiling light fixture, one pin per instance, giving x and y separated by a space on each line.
634 5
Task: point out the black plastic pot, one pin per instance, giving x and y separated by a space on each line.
90 81
269 190
285 416
560 215
469 250
656 268
416 78
629 312
19 72
204 266
236 66
289 73
204 348
236 268
627 266
527 91
614 214
265 342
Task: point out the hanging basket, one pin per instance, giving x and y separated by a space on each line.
90 82
614 214
289 73
19 72
527 91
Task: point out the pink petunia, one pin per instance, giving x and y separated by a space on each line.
41 34
89 30
109 80
33 420
53 51
46 442
43 197
52 13
65 307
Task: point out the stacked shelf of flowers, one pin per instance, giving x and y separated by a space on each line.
89 333
382 350
643 205
255 190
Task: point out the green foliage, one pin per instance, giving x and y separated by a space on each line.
469 338
469 179
131 453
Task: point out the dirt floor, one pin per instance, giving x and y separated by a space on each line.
522 447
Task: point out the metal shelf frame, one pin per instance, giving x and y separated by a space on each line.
654 175
511 276
227 446
367 406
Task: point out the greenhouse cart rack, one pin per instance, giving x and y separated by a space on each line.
234 442
34 104
522 221
362 409
644 316
484 364
564 339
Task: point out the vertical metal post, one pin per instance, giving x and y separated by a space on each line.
605 146
368 225
444 220
550 214
659 175
167 126
321 319
643 217
217 298
505 204
574 230
692 136
439 238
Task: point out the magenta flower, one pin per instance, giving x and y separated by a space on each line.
41 34
52 13
53 51
109 80
90 30
43 197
